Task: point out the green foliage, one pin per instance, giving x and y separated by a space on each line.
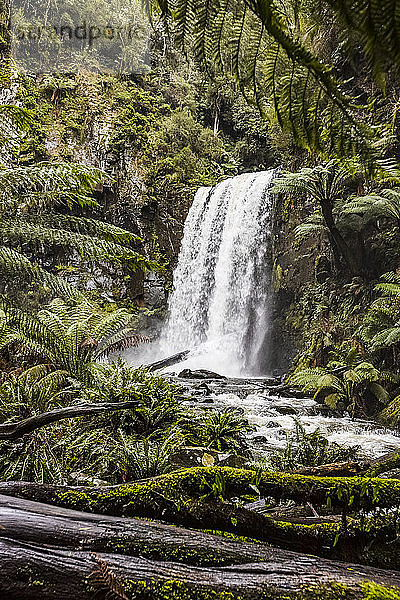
221 431
272 50
343 382
390 415
29 199
117 382
309 450
374 591
122 446
181 155
71 337
137 113
31 392
381 326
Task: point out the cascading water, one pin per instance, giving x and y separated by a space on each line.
219 307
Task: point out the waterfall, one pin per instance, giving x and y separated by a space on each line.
222 283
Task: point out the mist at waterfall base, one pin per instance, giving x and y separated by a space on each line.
219 307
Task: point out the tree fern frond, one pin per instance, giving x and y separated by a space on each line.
84 226
313 225
110 323
126 340
308 99
16 232
46 184
16 265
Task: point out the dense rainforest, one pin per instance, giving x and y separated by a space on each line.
128 473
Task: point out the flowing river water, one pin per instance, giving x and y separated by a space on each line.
220 310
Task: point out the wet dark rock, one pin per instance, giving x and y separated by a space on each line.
323 409
259 439
291 393
203 387
199 374
285 410
271 424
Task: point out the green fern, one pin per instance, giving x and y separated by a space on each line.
71 337
270 52
29 200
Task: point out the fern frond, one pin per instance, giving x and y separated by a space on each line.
84 226
46 184
119 342
15 265
17 232
271 59
104 580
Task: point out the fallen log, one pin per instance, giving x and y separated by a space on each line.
168 362
342 469
376 545
31 572
43 524
127 499
385 463
12 431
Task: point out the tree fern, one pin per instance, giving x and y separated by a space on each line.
381 325
29 199
386 203
274 62
71 337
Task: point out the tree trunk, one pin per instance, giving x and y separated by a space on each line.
168 362
12 431
148 499
32 572
342 469
34 567
340 247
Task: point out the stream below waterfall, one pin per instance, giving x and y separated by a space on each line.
274 416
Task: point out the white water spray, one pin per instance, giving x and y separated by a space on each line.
219 307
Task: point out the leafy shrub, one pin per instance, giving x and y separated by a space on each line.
114 446
222 431
309 450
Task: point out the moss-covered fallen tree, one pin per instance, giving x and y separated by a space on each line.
128 499
54 554
198 498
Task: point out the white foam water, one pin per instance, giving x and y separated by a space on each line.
263 412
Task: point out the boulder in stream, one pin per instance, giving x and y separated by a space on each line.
200 374
285 410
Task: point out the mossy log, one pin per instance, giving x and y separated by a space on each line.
383 464
342 469
29 521
375 544
107 554
43 524
128 499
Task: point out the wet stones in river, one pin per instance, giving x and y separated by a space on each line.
259 439
285 410
199 374
195 456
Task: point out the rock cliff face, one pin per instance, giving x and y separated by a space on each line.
295 266
82 119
